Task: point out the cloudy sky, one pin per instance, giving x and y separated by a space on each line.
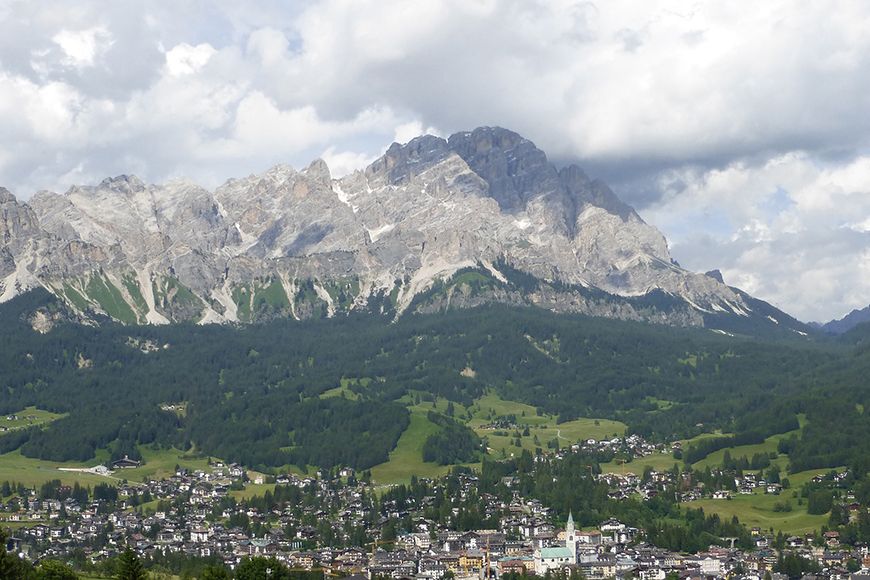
741 130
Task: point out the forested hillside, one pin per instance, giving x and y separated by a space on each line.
263 394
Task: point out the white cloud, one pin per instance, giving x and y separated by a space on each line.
262 126
797 230
407 131
341 163
270 46
82 47
184 59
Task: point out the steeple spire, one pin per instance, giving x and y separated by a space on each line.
571 538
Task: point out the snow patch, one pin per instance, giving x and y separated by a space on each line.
717 331
799 332
772 319
736 309
523 224
378 232
223 212
695 306
494 271
343 197
246 237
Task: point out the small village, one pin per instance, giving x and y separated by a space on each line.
333 521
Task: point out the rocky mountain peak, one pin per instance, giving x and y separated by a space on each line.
318 171
280 172
716 275
400 163
6 196
126 184
513 167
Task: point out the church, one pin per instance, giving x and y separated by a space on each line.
555 558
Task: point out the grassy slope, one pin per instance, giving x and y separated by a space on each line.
29 417
407 458
769 445
757 509
252 490
344 389
102 291
658 461
34 472
715 459
160 463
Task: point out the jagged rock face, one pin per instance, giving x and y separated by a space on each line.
19 239
485 203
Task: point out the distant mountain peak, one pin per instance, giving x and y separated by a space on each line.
848 322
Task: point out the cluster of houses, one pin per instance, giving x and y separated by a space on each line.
632 446
195 513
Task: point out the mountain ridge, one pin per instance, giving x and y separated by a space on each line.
848 322
300 243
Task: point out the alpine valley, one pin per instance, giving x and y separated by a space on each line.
459 320
482 217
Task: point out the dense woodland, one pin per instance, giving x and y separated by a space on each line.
253 393
454 443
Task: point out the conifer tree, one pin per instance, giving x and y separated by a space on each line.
130 567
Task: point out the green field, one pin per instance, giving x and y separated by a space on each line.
252 490
14 467
769 445
701 437
753 510
757 509
29 417
160 463
717 457
344 390
657 461
407 458
492 404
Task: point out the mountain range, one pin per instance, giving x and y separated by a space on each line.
480 217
